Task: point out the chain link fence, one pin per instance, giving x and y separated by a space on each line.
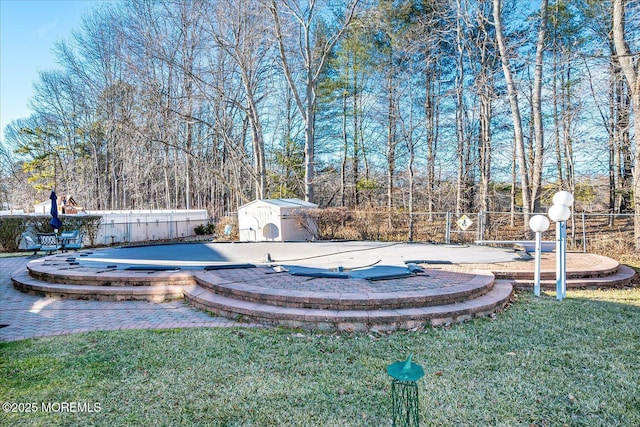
588 232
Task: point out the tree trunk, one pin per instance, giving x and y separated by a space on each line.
515 112
460 113
391 145
612 140
431 132
537 111
622 159
309 138
485 95
484 148
355 161
345 152
631 73
556 121
313 60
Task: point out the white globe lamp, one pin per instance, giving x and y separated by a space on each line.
559 213
538 224
563 198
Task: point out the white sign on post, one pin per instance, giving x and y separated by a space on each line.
464 222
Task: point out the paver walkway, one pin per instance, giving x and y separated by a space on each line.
27 316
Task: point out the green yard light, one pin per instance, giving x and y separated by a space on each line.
404 392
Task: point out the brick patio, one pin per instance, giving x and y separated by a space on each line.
61 298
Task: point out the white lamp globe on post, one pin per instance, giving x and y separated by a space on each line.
560 213
538 224
563 198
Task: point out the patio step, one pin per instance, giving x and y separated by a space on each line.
65 273
156 293
584 271
438 295
351 320
431 288
622 276
595 266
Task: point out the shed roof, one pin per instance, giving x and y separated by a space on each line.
282 203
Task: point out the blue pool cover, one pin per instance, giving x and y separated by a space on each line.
378 272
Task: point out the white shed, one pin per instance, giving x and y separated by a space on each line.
274 220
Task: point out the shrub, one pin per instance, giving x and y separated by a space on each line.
12 226
328 221
10 229
205 229
87 224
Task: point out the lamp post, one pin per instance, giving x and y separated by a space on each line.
560 213
538 224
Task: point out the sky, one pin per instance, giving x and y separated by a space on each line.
29 30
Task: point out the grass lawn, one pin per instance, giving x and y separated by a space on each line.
540 363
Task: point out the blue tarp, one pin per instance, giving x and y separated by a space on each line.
378 272
228 266
150 268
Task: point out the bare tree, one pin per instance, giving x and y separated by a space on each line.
465 152
629 64
485 88
431 22
536 184
313 53
240 29
515 112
